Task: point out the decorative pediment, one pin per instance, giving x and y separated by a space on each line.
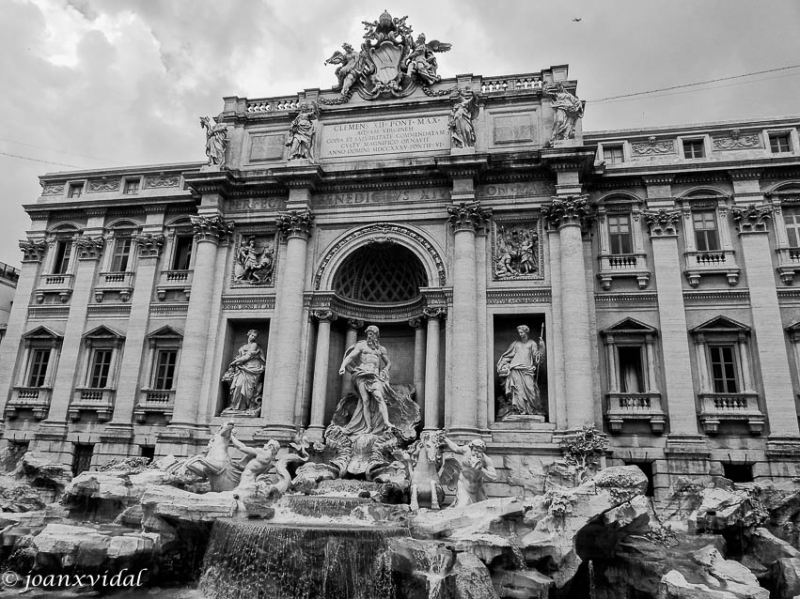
42 332
630 326
165 332
103 332
721 324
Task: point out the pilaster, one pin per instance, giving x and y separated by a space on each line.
321 362
210 230
776 379
33 252
432 350
465 219
679 389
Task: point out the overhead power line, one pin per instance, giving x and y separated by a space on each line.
696 84
38 160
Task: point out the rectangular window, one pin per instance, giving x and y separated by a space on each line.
63 253
131 187
182 256
779 142
122 252
738 473
101 364
37 373
630 369
619 234
705 230
82 459
723 369
693 148
791 218
75 190
165 369
613 154
148 451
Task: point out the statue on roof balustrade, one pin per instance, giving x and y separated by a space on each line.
216 140
567 108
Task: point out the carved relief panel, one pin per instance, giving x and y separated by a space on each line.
254 259
516 250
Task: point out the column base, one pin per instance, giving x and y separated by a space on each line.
688 446
117 433
279 432
783 447
463 433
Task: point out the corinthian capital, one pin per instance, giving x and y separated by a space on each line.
295 224
89 248
752 219
662 223
32 251
149 245
572 210
211 228
468 217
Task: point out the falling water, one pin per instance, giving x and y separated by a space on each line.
592 593
281 561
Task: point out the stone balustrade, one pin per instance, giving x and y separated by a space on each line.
718 407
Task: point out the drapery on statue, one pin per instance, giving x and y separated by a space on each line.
254 264
216 464
350 67
245 375
369 365
421 63
462 131
216 141
302 132
567 108
476 468
518 368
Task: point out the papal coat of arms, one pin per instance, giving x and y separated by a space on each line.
390 61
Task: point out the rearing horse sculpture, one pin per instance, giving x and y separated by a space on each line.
216 464
430 470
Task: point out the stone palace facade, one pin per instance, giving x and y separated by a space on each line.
656 266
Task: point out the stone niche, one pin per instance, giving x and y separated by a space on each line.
235 338
517 380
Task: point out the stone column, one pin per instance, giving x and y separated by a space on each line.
465 219
89 249
286 331
570 215
33 252
148 247
209 231
611 352
319 393
775 376
419 360
432 368
679 389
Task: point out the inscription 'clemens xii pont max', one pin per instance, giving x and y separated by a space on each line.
385 137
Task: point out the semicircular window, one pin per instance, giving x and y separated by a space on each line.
380 273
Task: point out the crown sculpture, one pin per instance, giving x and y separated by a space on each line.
390 62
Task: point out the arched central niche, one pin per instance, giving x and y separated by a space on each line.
380 273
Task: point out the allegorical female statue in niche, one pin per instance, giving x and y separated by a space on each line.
518 369
462 131
245 375
302 132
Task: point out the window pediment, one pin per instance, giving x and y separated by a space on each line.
720 324
165 332
630 326
42 333
103 333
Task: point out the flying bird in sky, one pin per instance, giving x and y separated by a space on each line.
577 20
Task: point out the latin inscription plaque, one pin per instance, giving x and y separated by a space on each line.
393 136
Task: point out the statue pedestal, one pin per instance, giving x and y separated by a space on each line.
524 419
567 143
211 168
454 151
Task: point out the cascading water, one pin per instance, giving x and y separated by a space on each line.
261 560
320 506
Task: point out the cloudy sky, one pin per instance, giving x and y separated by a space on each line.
99 83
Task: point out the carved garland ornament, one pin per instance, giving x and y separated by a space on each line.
751 219
663 222
385 229
653 146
